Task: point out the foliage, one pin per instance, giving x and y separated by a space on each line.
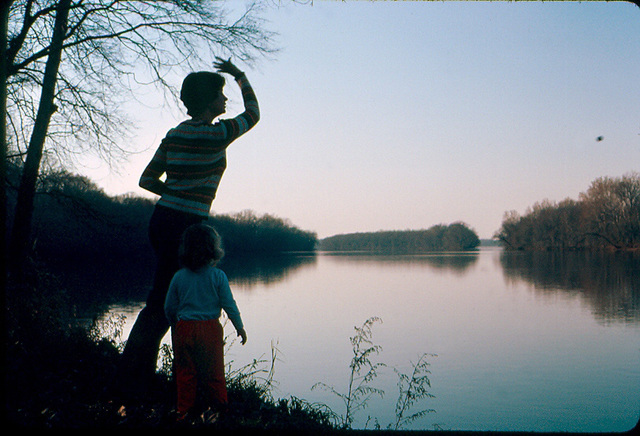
53 370
412 389
606 216
453 237
245 233
75 220
109 330
253 374
363 371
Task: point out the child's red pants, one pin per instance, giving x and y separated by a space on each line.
199 358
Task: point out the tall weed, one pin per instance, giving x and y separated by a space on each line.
412 388
362 372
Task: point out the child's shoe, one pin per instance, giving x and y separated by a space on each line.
180 419
210 416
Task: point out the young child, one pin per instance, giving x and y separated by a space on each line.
197 294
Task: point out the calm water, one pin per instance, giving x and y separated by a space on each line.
543 342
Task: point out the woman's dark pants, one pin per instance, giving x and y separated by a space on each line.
139 358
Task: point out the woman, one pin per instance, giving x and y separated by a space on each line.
192 156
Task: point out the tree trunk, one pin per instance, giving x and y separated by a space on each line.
4 66
21 232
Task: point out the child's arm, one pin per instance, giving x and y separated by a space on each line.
228 303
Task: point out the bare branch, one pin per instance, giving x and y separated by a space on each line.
108 47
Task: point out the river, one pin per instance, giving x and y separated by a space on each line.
514 341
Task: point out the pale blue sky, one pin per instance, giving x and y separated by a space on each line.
403 115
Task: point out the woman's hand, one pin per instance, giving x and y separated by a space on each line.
227 67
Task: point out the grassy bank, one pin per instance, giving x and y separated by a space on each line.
57 372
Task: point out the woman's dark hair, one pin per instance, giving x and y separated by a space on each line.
201 245
199 89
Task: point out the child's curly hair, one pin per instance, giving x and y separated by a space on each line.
201 245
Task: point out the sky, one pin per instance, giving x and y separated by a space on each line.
404 115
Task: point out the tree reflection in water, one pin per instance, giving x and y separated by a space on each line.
608 282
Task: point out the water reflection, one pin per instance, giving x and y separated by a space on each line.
608 282
267 269
457 262
93 287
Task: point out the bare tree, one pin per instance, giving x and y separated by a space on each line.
4 23
69 66
606 216
613 210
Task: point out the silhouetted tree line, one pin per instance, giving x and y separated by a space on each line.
441 237
75 219
245 233
606 216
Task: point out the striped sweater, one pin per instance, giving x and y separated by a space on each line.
193 157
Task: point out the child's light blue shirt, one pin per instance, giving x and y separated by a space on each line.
201 295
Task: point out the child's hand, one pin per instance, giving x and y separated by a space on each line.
227 67
243 335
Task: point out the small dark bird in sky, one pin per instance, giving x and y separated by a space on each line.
599 138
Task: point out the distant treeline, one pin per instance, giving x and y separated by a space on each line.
452 237
606 216
74 218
